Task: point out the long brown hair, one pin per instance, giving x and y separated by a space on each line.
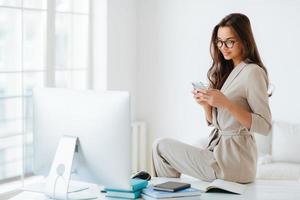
221 68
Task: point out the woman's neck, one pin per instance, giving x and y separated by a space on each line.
237 61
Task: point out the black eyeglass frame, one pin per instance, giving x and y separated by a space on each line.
229 43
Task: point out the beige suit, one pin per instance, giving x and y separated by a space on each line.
231 152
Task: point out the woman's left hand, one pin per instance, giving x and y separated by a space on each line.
215 98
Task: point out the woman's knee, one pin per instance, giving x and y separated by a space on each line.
162 144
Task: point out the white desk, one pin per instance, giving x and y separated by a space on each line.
93 191
259 190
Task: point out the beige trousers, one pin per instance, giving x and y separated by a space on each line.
171 158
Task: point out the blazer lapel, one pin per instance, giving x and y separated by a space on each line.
233 75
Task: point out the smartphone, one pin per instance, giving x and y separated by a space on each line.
200 85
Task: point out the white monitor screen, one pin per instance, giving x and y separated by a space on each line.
100 120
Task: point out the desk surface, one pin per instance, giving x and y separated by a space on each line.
259 190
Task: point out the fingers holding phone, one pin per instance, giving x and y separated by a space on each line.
199 91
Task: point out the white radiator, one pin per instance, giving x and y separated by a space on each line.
139 146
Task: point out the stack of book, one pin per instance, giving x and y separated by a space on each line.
134 191
186 194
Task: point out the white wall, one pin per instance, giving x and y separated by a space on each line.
173 39
121 47
98 34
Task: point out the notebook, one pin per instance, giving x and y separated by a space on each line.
171 186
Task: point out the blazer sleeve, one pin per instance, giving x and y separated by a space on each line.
210 123
258 100
213 118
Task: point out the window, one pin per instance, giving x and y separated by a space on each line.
42 43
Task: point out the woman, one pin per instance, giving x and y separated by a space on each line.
236 105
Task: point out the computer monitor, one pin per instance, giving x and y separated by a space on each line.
100 120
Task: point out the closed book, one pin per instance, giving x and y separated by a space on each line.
127 195
163 194
133 185
146 197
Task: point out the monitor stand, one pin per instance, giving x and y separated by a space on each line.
58 180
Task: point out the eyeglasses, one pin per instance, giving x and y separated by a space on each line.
228 43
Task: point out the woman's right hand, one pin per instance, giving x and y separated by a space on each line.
199 98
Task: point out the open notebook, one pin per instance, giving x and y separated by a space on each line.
221 185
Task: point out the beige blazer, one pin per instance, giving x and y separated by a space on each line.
233 145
